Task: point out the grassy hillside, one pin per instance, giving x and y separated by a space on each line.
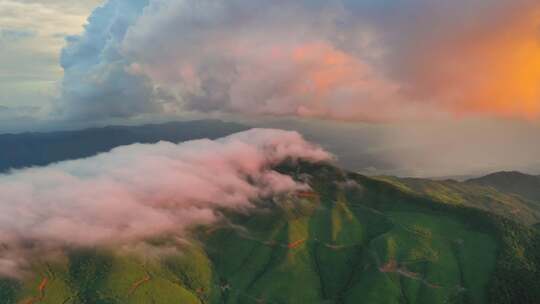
354 240
472 194
524 185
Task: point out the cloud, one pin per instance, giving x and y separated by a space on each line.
467 147
465 57
13 35
97 82
438 148
140 191
256 57
338 59
14 117
30 45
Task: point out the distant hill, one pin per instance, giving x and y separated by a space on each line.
471 194
39 149
524 185
354 239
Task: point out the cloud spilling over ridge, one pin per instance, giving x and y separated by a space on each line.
341 59
143 190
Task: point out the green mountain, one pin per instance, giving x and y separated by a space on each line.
524 185
473 193
354 239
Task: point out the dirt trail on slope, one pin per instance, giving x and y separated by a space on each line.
138 284
393 267
41 288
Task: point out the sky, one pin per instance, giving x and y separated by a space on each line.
32 35
430 86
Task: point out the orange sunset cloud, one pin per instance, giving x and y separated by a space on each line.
487 68
425 60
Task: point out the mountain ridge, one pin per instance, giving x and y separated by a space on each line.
351 237
40 149
525 185
516 203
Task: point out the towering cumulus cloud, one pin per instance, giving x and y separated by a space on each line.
342 59
139 191
96 81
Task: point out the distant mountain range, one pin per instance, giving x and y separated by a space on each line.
525 185
39 149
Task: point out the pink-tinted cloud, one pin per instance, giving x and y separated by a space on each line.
474 58
140 191
337 59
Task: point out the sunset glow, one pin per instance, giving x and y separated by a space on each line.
497 73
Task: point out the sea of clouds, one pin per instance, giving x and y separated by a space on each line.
142 190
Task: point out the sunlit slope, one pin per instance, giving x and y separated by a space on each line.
94 276
354 240
336 249
479 193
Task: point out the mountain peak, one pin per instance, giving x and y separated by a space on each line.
515 182
503 176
